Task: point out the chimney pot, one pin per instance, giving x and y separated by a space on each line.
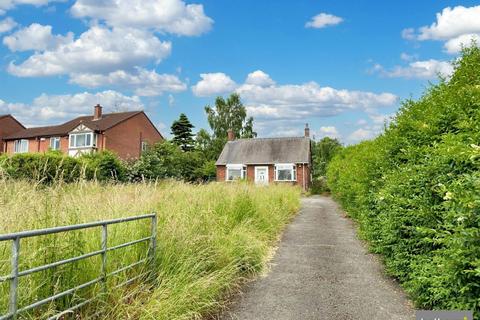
97 112
231 135
307 131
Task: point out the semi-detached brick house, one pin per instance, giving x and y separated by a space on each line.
267 160
8 125
125 133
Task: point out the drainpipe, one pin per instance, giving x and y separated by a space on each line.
303 177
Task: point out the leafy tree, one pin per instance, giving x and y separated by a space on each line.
182 133
230 114
323 151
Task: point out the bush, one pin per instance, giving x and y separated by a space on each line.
104 166
415 191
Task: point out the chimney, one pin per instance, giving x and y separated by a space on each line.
231 135
97 113
307 131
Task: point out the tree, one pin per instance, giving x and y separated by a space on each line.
230 114
182 133
323 152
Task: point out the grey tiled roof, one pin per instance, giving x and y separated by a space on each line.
266 151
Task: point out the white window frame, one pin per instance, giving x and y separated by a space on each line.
241 167
144 146
20 146
72 140
286 166
53 142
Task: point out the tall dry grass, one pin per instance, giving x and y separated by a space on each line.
209 238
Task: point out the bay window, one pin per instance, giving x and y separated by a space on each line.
21 146
236 172
286 172
83 140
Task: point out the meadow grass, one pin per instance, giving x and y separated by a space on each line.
210 237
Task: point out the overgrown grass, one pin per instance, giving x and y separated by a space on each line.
209 238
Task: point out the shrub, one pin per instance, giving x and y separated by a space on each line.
415 191
103 166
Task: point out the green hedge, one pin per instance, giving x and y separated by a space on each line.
54 166
415 191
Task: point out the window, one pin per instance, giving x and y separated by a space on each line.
55 143
81 140
144 146
236 172
21 146
285 172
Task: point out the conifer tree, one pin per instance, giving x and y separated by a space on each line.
182 133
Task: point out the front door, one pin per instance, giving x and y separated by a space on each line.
261 175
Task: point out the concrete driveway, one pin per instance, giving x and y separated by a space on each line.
321 271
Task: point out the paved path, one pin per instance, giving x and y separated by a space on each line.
321 271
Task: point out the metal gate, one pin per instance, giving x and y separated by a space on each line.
15 238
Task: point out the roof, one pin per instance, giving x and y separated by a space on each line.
107 121
266 151
10 116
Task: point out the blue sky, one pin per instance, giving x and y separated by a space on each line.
342 66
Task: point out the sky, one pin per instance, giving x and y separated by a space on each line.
343 67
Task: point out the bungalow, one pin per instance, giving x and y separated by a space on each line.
125 133
8 125
267 160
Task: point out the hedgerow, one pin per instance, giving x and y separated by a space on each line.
415 191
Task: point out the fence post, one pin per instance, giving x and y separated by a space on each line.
104 256
12 308
153 242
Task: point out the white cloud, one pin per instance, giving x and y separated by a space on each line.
98 50
144 82
6 5
7 24
35 37
173 16
456 26
266 100
426 69
361 135
259 78
213 84
328 131
53 109
323 20
171 100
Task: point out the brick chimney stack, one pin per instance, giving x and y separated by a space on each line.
97 112
231 135
307 131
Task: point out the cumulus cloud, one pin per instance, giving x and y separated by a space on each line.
52 109
259 78
267 100
173 16
323 20
6 5
144 82
457 26
99 50
426 69
213 84
361 135
328 131
35 37
7 24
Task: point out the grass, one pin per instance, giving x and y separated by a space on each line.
210 237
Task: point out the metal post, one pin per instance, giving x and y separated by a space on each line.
104 257
153 242
12 308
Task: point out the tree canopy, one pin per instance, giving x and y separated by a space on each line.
182 133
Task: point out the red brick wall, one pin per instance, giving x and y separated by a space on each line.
8 126
39 145
125 138
221 171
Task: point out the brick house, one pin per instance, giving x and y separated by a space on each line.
267 160
8 126
125 133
